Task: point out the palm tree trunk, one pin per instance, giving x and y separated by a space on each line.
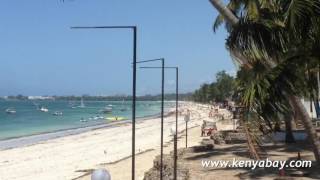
253 151
317 99
297 104
288 122
225 12
306 120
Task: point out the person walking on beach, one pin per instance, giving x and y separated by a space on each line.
203 126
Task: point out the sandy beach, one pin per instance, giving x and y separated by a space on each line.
74 156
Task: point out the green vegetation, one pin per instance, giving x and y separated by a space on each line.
276 44
218 91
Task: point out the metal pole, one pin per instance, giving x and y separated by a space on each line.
134 85
176 136
177 97
134 80
186 134
175 157
162 109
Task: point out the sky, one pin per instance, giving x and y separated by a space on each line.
41 55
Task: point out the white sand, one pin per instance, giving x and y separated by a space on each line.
60 158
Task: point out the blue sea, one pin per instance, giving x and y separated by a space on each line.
29 120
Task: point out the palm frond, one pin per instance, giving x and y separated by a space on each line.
218 21
299 10
258 41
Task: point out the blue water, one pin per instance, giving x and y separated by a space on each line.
28 120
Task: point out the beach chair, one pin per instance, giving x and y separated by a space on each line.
208 128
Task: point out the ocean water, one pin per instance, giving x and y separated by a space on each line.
28 120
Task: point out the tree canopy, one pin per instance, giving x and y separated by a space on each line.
220 90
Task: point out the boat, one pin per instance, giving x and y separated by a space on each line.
57 113
43 109
123 107
82 104
11 111
115 118
96 117
83 120
36 105
106 110
72 105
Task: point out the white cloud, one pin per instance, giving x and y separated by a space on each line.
232 72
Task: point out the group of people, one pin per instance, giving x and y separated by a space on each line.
213 112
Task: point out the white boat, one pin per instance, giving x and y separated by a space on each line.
83 120
57 113
43 109
72 105
82 104
11 111
106 110
36 105
123 107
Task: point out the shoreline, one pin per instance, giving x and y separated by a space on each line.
32 139
39 130
70 156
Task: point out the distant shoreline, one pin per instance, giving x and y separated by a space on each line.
168 97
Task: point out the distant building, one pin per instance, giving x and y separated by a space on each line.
310 108
41 98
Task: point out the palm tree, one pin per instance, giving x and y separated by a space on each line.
264 33
260 90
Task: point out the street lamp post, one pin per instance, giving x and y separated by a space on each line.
177 104
162 110
176 140
187 119
134 83
174 134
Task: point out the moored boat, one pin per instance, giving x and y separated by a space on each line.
82 104
43 109
11 111
57 113
106 110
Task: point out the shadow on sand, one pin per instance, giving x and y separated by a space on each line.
240 151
